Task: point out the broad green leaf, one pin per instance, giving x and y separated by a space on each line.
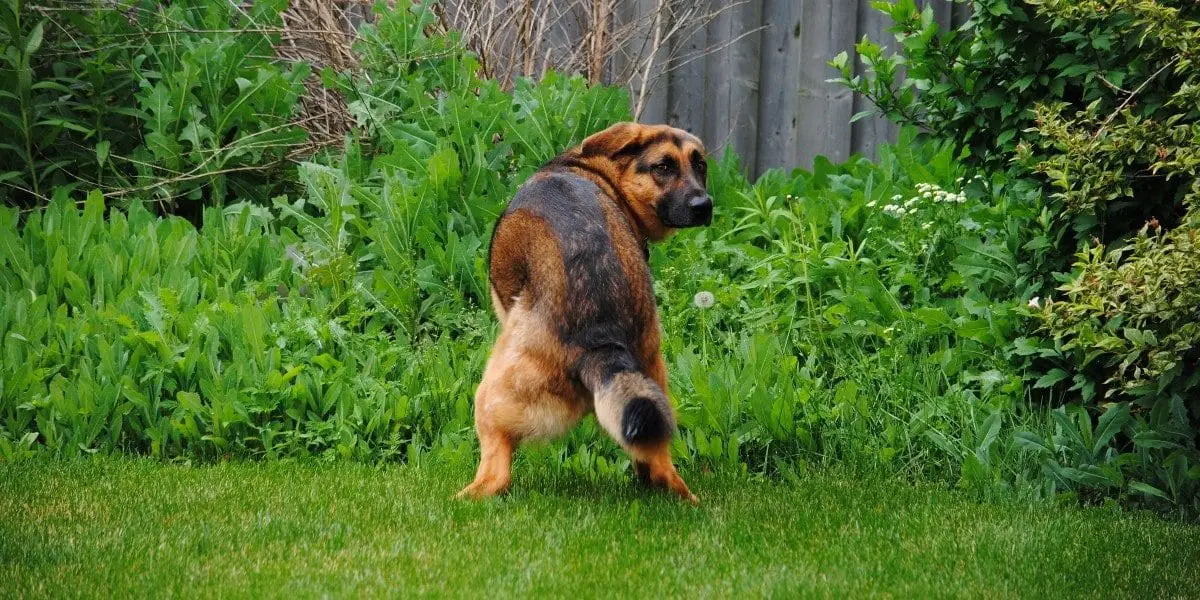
991 429
1154 439
1031 441
1148 490
102 148
1109 425
1088 475
34 41
935 317
1051 378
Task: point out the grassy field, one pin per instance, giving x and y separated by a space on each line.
130 528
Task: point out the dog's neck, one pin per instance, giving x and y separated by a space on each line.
640 229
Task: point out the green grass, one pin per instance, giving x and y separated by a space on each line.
129 528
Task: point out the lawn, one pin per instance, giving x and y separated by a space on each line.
136 528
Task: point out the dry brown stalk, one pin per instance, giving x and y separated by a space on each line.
619 42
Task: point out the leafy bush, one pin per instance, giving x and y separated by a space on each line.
841 276
980 85
1130 326
1095 102
1139 304
148 335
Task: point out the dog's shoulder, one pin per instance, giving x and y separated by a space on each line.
573 208
558 194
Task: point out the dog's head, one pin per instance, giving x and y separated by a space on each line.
660 170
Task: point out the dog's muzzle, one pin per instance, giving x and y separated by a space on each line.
695 211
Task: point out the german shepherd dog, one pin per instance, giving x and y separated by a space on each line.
571 286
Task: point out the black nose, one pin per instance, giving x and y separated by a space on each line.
701 207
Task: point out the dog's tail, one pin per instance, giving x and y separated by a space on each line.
630 406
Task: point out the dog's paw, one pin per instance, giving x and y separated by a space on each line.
471 492
482 490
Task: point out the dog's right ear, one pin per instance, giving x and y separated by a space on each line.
620 139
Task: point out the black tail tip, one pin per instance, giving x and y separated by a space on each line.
642 421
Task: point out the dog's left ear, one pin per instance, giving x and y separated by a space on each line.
611 142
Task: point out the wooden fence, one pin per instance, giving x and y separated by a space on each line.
761 85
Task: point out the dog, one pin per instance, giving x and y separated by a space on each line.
570 280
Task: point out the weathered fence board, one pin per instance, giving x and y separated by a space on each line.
732 80
826 28
867 132
779 92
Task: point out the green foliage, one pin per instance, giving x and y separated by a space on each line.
344 321
335 324
165 102
31 116
1098 157
1095 101
1129 326
148 335
211 104
846 273
1138 304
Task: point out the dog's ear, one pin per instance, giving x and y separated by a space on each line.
620 139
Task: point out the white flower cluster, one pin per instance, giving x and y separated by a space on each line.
931 191
899 207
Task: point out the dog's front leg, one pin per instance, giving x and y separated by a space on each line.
495 464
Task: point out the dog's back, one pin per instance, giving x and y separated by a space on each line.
596 285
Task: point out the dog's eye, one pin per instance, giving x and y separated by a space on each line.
663 168
701 167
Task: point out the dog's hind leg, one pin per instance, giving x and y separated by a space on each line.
654 468
496 443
